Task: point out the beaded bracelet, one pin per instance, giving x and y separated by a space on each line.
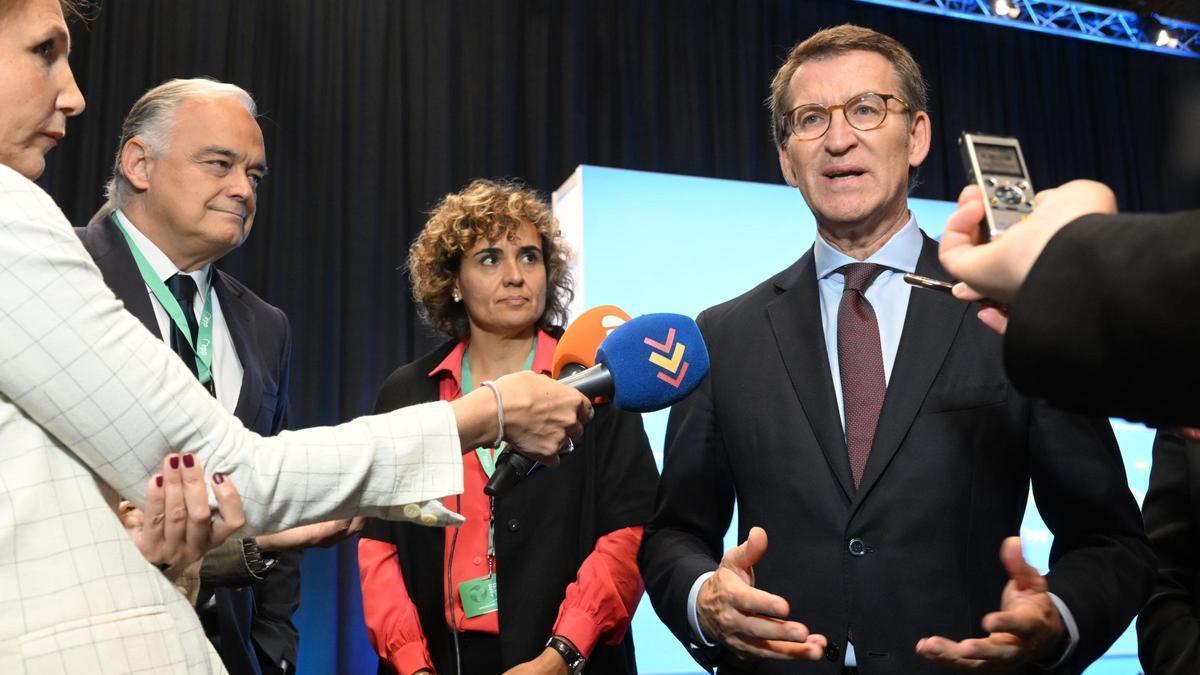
499 411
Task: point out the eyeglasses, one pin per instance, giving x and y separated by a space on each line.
863 112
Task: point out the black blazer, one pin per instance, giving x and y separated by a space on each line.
914 551
254 622
545 528
1106 321
1169 626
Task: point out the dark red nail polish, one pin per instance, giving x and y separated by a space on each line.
174 462
218 478
158 480
189 461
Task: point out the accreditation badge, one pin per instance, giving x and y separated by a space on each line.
478 596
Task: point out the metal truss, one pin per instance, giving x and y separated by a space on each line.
1072 19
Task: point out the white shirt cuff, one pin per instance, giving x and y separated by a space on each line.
693 619
1068 620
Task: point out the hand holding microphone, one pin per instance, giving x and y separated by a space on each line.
540 414
646 364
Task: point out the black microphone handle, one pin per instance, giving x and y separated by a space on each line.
593 382
571 369
511 466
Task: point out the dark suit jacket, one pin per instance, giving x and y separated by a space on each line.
254 622
914 551
1106 321
1169 626
545 528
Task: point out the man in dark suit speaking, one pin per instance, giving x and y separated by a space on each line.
183 195
869 429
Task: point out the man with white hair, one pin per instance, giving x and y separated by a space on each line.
182 195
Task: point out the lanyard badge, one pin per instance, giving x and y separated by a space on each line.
479 594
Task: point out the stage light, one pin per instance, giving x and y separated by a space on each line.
1002 8
1073 18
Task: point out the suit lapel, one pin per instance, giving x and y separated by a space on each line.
110 251
795 317
930 325
239 320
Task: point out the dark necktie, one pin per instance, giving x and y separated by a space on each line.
184 290
860 358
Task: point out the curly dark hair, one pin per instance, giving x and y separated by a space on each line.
487 210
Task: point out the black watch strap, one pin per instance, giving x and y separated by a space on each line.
575 660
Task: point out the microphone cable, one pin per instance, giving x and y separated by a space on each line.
450 591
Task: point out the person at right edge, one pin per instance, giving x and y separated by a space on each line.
869 428
555 557
1169 625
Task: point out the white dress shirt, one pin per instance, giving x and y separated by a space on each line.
226 366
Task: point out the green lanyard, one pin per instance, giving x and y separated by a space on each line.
488 461
202 346
486 458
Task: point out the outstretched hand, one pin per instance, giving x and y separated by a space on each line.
1027 628
750 622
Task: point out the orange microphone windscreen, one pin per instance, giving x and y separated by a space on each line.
582 338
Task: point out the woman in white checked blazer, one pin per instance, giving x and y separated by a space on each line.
91 403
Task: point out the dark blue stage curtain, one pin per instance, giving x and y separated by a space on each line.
373 109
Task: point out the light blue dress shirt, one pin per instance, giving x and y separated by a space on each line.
888 295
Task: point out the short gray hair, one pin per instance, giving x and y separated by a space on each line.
152 118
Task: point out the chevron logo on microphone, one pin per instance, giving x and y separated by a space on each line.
669 360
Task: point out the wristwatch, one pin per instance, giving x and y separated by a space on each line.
257 562
575 660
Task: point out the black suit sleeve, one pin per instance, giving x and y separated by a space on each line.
1169 626
1107 319
277 597
280 420
627 477
1101 565
692 512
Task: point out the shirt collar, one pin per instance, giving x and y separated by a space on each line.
898 253
159 262
543 358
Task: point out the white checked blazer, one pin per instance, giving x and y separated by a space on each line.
90 403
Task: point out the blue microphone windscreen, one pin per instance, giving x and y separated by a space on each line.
655 361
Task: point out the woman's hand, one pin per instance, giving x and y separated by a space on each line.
540 415
177 527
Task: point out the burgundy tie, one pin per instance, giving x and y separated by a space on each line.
860 358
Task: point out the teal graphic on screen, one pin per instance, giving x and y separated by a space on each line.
651 242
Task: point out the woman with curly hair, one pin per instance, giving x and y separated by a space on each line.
543 579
